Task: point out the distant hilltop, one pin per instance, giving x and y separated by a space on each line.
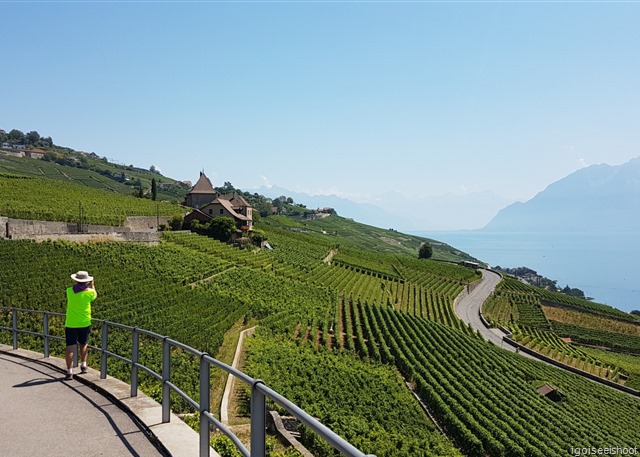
596 198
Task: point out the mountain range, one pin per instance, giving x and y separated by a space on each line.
595 198
395 210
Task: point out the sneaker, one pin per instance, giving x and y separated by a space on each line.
83 370
68 376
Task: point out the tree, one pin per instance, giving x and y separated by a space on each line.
32 137
636 312
16 136
258 236
425 251
221 228
154 189
176 223
227 188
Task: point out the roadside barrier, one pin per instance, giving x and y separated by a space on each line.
259 391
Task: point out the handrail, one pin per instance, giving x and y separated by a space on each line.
259 391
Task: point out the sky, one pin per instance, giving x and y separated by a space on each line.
350 98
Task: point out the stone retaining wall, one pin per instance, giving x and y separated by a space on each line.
139 229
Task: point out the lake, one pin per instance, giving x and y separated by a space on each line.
604 266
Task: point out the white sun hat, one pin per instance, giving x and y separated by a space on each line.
81 276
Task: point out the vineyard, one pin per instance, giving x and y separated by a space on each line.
43 169
451 370
428 291
50 200
539 319
346 332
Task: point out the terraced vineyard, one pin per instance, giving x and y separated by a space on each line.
22 198
42 169
449 369
336 336
431 295
515 302
549 344
539 318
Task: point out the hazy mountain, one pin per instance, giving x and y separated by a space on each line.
444 212
596 198
394 210
362 212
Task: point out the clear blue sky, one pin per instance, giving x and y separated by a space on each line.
354 98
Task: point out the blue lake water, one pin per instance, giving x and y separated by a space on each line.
604 266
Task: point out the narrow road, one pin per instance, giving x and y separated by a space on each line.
468 309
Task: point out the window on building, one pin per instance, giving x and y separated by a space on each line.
221 211
210 211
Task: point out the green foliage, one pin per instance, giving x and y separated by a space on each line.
224 446
176 223
62 164
22 199
425 251
16 136
154 189
341 313
221 228
367 404
453 370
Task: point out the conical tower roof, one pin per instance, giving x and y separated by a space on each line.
203 185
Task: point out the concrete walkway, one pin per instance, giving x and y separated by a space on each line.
41 414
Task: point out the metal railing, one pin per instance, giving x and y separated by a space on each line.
259 391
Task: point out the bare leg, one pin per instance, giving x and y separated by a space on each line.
84 351
68 357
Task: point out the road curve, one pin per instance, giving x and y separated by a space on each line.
468 309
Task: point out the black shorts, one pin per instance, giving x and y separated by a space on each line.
76 335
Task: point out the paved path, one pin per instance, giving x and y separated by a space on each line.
40 414
468 309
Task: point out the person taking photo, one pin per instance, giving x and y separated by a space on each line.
77 324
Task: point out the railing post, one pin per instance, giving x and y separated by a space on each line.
258 421
45 329
134 362
166 377
14 324
205 405
103 348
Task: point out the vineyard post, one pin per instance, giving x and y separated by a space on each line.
45 330
134 361
14 320
258 421
103 355
166 377
205 404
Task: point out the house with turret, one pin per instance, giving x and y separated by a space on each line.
208 203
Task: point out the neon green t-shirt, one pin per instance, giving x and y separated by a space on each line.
79 308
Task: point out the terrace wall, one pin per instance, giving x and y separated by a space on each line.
140 229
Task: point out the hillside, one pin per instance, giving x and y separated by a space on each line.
351 324
596 198
92 171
